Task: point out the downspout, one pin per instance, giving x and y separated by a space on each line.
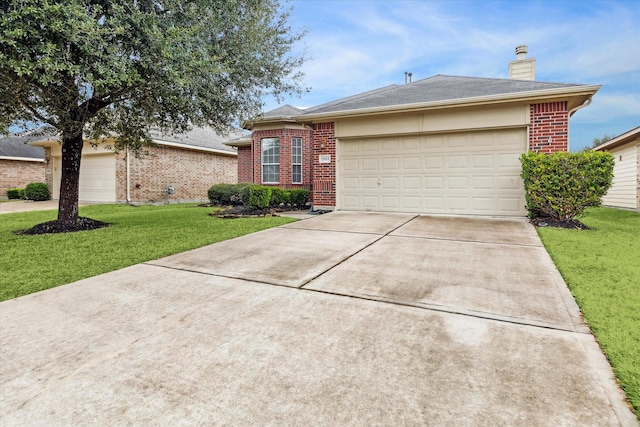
584 104
128 177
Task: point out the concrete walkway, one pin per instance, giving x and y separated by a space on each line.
30 206
341 319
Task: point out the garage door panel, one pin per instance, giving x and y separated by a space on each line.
411 163
390 163
457 162
369 183
434 162
97 178
464 173
483 161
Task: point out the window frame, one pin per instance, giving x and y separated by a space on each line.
274 160
295 141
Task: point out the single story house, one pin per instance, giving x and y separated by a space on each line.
177 168
20 164
441 145
625 190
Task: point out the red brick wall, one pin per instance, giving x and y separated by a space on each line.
18 173
549 120
245 164
285 136
324 174
190 172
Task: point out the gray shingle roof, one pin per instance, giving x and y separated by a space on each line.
432 89
284 111
16 145
200 137
436 88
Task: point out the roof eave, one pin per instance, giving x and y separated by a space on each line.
619 140
248 124
545 94
194 147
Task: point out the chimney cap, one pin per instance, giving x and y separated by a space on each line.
522 49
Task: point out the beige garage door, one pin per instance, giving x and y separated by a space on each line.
474 173
98 178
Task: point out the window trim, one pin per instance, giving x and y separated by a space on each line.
263 163
296 139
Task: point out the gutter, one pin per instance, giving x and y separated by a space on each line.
22 159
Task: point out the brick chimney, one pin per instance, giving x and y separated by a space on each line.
522 68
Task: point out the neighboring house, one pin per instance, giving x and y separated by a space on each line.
188 164
625 190
444 144
20 164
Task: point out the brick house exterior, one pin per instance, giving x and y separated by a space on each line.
20 163
189 164
189 172
444 144
19 173
549 127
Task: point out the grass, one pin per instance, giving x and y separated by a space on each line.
137 234
601 266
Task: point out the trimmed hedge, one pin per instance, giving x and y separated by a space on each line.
36 191
562 185
257 196
15 193
229 194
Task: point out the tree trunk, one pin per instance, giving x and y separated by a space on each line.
70 179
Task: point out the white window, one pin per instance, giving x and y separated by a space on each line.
270 160
296 160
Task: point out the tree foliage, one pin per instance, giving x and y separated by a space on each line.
599 141
98 68
562 185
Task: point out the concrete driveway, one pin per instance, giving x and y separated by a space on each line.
342 319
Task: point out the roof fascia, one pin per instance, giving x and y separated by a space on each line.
619 140
22 159
194 147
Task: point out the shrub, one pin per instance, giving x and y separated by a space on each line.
563 185
298 197
259 196
36 191
228 194
15 193
279 197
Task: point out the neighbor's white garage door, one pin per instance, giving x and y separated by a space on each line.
456 173
98 178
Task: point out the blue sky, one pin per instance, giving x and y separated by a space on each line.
359 45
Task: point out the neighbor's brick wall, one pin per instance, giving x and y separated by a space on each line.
285 136
550 119
18 173
324 174
190 172
245 164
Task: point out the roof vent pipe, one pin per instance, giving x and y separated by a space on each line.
407 77
521 52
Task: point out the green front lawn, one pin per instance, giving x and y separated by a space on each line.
32 263
601 266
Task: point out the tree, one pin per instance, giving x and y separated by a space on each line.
600 141
99 68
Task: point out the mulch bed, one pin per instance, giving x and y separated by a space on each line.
550 222
244 212
52 227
